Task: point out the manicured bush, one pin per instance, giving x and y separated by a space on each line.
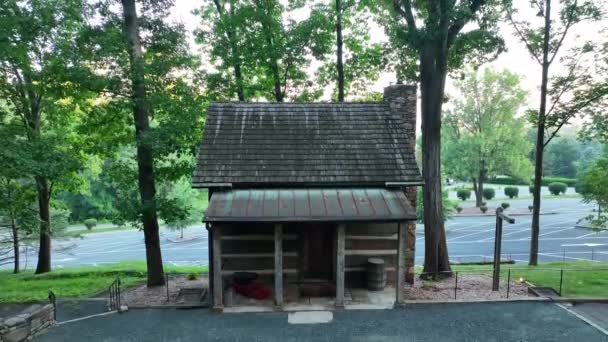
505 205
192 276
530 207
489 193
484 203
558 188
483 208
90 223
531 189
511 191
568 181
458 208
508 181
463 194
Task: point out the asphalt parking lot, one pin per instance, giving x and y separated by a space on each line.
469 239
487 322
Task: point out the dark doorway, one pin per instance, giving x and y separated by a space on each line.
317 259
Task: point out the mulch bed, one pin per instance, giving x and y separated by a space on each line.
182 291
472 287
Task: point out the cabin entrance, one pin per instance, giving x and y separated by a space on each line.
318 259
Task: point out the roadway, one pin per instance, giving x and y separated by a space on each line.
469 239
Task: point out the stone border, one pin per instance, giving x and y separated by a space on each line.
27 324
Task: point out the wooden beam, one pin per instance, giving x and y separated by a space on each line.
401 227
370 252
278 265
340 246
218 288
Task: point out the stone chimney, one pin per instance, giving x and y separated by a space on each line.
402 101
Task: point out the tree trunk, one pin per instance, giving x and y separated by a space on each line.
432 83
44 209
273 63
15 245
236 61
540 139
145 159
478 187
339 63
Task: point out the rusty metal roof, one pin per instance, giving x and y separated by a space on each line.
302 205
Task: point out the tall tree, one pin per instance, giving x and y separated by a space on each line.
273 53
131 76
560 98
339 53
483 136
36 55
429 39
145 159
357 60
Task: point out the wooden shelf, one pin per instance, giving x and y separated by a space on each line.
371 252
257 255
371 237
264 272
253 237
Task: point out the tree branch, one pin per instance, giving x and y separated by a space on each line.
566 28
458 24
524 39
404 8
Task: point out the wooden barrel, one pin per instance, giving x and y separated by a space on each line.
376 274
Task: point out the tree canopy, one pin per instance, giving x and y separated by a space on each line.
484 136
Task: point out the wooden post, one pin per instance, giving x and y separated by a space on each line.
401 232
218 288
278 265
340 246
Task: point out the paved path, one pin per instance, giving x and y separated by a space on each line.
469 239
523 321
594 312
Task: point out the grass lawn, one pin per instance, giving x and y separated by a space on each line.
75 282
581 278
79 232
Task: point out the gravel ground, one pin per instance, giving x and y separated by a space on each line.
470 287
157 295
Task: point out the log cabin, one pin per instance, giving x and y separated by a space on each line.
306 193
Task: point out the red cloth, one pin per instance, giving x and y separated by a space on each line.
252 290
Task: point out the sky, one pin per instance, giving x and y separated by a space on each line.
516 58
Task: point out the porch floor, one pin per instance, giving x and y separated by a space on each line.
354 298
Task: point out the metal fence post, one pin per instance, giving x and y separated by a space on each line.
561 281
456 286
167 286
53 300
508 282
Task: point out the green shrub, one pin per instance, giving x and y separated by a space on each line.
568 181
484 203
489 193
463 194
458 208
530 207
90 223
505 205
192 276
531 189
483 209
558 188
508 181
511 191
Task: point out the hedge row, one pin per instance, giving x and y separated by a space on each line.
546 181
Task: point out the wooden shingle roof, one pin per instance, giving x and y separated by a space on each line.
304 144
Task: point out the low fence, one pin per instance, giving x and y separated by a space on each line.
515 282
